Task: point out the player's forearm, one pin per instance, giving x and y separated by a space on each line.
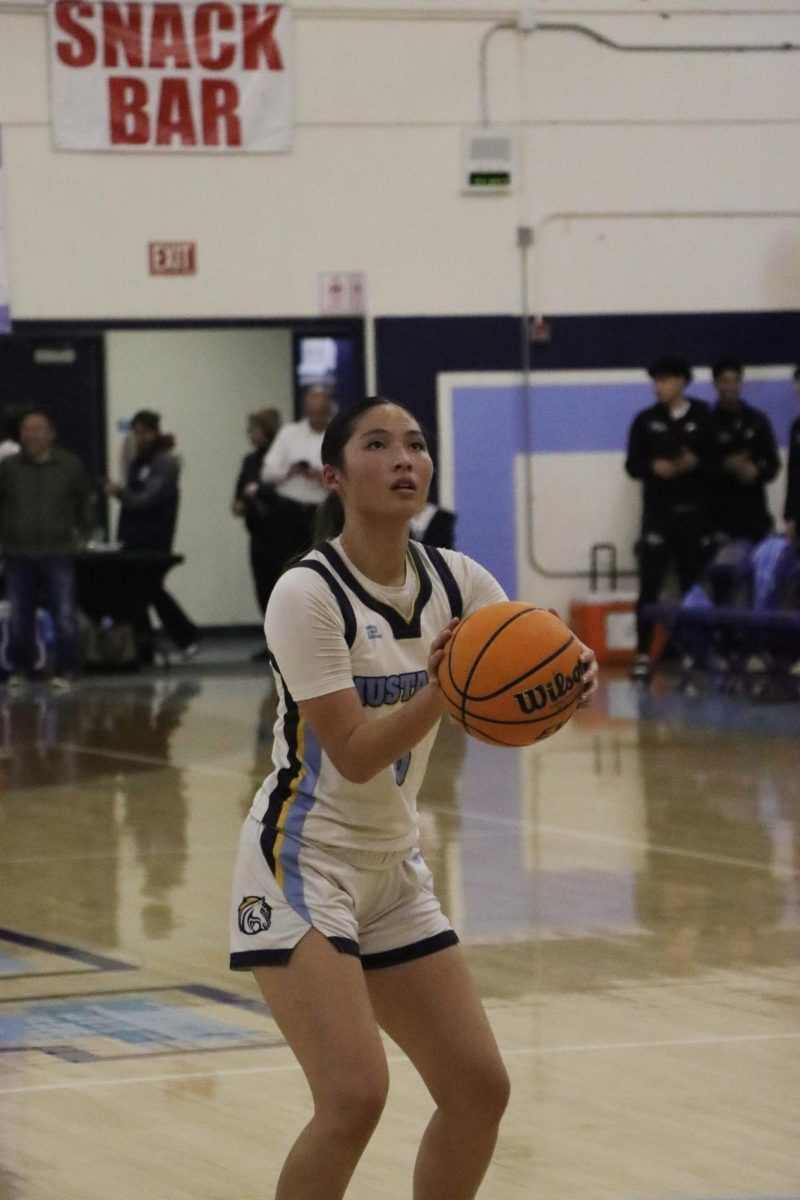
375 745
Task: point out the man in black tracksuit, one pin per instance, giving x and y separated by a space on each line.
745 459
669 449
791 509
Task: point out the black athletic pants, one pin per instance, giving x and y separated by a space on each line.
266 568
682 543
176 624
291 529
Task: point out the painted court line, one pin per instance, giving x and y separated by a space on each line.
521 1052
152 760
671 851
656 1044
99 962
559 831
116 855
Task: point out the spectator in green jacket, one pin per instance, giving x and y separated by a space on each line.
45 515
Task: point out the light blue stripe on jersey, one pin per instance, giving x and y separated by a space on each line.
294 822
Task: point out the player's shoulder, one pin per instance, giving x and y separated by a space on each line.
471 577
302 582
458 563
436 556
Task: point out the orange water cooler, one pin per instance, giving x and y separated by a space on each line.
606 621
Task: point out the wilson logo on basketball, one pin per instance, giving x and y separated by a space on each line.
511 674
255 914
536 698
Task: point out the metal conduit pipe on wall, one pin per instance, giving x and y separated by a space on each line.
527 237
525 24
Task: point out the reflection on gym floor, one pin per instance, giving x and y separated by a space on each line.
627 894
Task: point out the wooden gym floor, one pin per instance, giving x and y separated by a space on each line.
628 895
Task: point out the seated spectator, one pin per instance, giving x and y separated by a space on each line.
149 513
669 451
745 459
45 516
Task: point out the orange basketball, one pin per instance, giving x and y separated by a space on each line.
511 674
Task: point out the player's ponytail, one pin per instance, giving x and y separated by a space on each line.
328 519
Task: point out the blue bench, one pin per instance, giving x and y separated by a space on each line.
744 619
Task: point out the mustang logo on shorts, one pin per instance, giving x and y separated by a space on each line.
255 914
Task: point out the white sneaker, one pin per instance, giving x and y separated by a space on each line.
189 652
641 667
16 682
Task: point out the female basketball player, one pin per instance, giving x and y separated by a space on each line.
333 906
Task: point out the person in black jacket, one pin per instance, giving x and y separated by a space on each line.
791 509
148 516
669 451
254 502
435 526
745 459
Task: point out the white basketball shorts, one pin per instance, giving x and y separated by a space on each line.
379 907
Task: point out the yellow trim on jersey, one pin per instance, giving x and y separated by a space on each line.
294 788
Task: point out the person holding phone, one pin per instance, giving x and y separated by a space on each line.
293 468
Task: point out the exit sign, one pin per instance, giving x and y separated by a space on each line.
172 258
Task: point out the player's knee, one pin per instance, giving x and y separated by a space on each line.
494 1092
354 1106
481 1093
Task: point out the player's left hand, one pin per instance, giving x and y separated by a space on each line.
591 671
591 674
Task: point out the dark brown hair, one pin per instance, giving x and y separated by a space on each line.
268 420
329 520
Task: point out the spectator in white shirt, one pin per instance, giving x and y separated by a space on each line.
293 468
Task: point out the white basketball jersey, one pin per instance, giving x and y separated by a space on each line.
328 628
